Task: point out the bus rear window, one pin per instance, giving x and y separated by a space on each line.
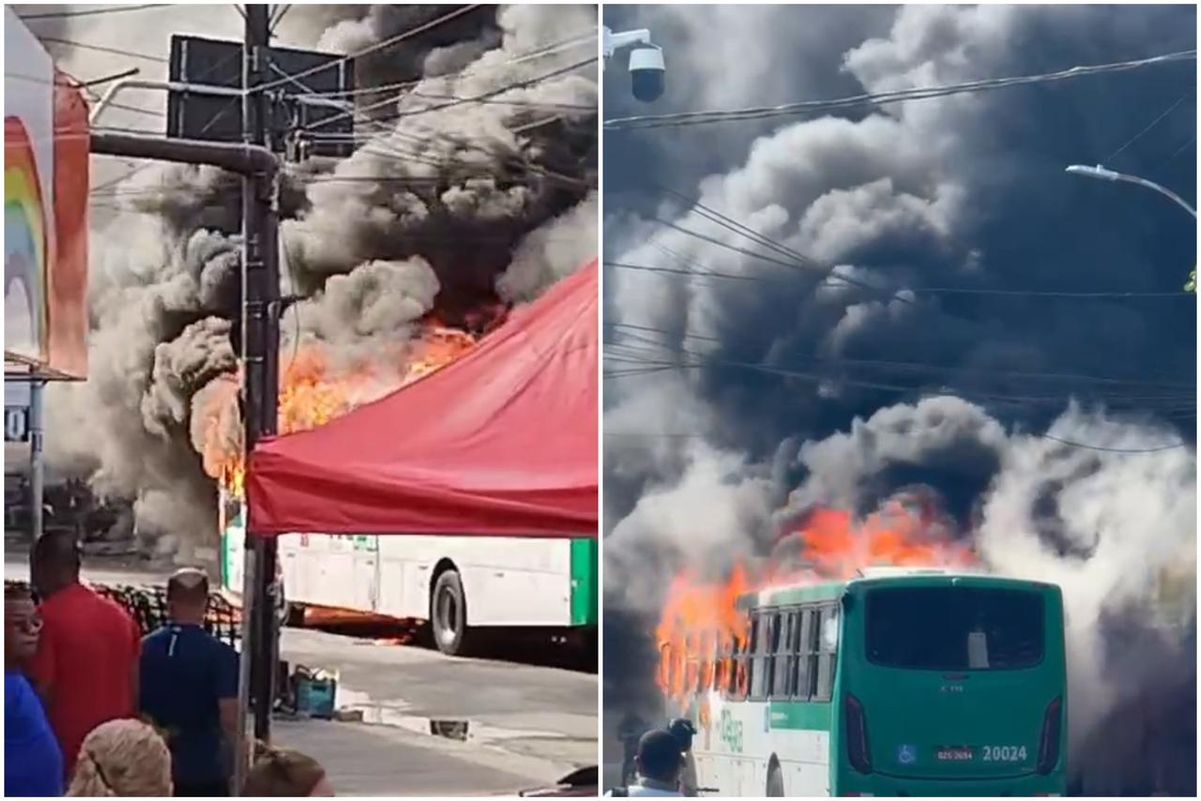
954 628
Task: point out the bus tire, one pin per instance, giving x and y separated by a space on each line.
448 613
775 779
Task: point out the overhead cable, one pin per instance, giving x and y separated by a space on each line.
880 98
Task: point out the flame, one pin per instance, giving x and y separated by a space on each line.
702 624
314 391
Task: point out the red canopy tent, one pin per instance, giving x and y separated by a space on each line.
501 442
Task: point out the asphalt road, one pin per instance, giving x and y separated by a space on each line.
526 725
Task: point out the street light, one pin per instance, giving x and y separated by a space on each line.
647 69
1103 174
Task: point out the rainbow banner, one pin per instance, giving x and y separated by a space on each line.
26 255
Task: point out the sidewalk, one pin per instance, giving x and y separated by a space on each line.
382 760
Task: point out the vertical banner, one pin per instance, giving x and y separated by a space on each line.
46 147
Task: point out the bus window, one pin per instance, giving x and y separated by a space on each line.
828 648
762 656
785 670
804 629
955 628
813 653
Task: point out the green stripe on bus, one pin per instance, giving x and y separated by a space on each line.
790 715
584 590
800 595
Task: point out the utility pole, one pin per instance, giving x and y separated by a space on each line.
260 365
37 462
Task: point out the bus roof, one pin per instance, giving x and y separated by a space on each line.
802 592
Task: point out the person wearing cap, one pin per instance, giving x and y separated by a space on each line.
190 690
85 666
658 762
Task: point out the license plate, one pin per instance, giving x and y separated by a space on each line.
954 754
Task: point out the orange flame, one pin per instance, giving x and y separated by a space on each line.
313 392
702 627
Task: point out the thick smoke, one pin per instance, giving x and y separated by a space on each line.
446 207
813 390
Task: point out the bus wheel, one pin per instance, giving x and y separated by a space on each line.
448 613
775 780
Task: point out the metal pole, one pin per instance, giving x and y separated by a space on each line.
259 163
260 287
37 467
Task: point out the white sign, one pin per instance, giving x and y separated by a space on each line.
16 424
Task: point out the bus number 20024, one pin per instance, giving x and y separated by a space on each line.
1004 753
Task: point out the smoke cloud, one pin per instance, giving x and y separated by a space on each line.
733 406
449 206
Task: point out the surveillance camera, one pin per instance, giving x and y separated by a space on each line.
647 73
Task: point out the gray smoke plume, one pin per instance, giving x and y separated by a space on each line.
443 198
801 389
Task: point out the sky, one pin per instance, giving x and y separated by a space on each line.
926 317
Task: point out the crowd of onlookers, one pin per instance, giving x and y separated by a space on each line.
93 708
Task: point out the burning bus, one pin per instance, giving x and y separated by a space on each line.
459 583
818 675
909 682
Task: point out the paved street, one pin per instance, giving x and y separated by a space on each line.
526 725
532 723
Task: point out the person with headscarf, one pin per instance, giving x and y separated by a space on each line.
283 772
124 757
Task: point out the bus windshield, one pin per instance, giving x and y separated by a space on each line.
954 628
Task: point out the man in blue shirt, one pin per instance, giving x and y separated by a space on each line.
189 688
33 763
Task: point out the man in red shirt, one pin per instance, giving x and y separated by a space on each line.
86 665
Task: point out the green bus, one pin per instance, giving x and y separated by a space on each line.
896 683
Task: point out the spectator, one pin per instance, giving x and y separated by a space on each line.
283 772
190 690
683 730
659 762
122 758
86 664
33 763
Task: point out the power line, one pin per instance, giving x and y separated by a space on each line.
508 88
279 17
101 49
878 98
393 99
697 435
567 42
400 37
1141 133
1181 444
817 378
896 363
92 12
838 282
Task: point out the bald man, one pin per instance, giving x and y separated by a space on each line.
190 690
86 664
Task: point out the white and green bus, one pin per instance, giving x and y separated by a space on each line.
898 683
460 584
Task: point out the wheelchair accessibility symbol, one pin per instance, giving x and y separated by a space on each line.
907 755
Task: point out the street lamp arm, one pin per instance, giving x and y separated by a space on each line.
1103 174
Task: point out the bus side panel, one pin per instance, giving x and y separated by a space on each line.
331 570
804 756
734 751
585 592
507 581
